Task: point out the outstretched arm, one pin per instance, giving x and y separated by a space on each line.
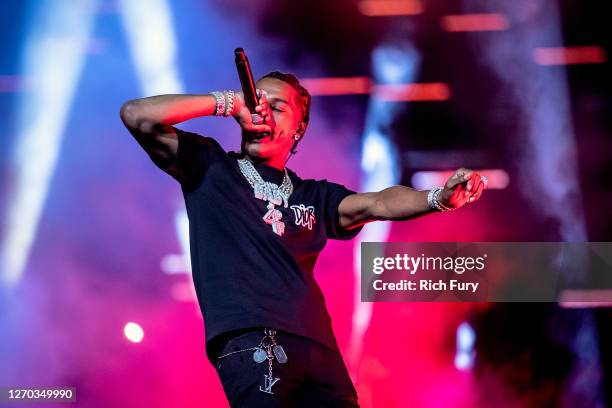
400 203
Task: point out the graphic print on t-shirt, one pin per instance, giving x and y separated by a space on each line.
304 216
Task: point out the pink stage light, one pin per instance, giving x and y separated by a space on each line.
585 298
475 22
423 180
569 55
374 8
133 332
183 292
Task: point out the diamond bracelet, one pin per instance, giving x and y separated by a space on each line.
224 103
433 199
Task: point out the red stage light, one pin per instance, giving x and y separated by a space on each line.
338 86
474 22
569 55
374 8
435 91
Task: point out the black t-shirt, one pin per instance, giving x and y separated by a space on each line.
245 275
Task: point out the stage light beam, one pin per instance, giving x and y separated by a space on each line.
152 42
153 45
52 61
392 64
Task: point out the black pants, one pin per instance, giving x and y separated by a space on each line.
313 376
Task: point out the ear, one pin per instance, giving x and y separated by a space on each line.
301 128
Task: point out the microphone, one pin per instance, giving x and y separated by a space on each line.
248 84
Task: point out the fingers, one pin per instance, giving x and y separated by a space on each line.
460 176
477 194
254 123
264 107
258 122
258 128
472 183
463 174
475 190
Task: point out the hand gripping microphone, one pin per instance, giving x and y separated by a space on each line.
248 84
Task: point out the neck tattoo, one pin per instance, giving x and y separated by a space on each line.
264 190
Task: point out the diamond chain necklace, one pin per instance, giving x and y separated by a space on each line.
273 193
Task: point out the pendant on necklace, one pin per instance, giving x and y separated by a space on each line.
273 216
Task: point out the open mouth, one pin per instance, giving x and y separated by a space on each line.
258 137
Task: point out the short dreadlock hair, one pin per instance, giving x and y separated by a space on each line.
304 96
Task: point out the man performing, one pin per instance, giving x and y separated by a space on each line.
256 230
